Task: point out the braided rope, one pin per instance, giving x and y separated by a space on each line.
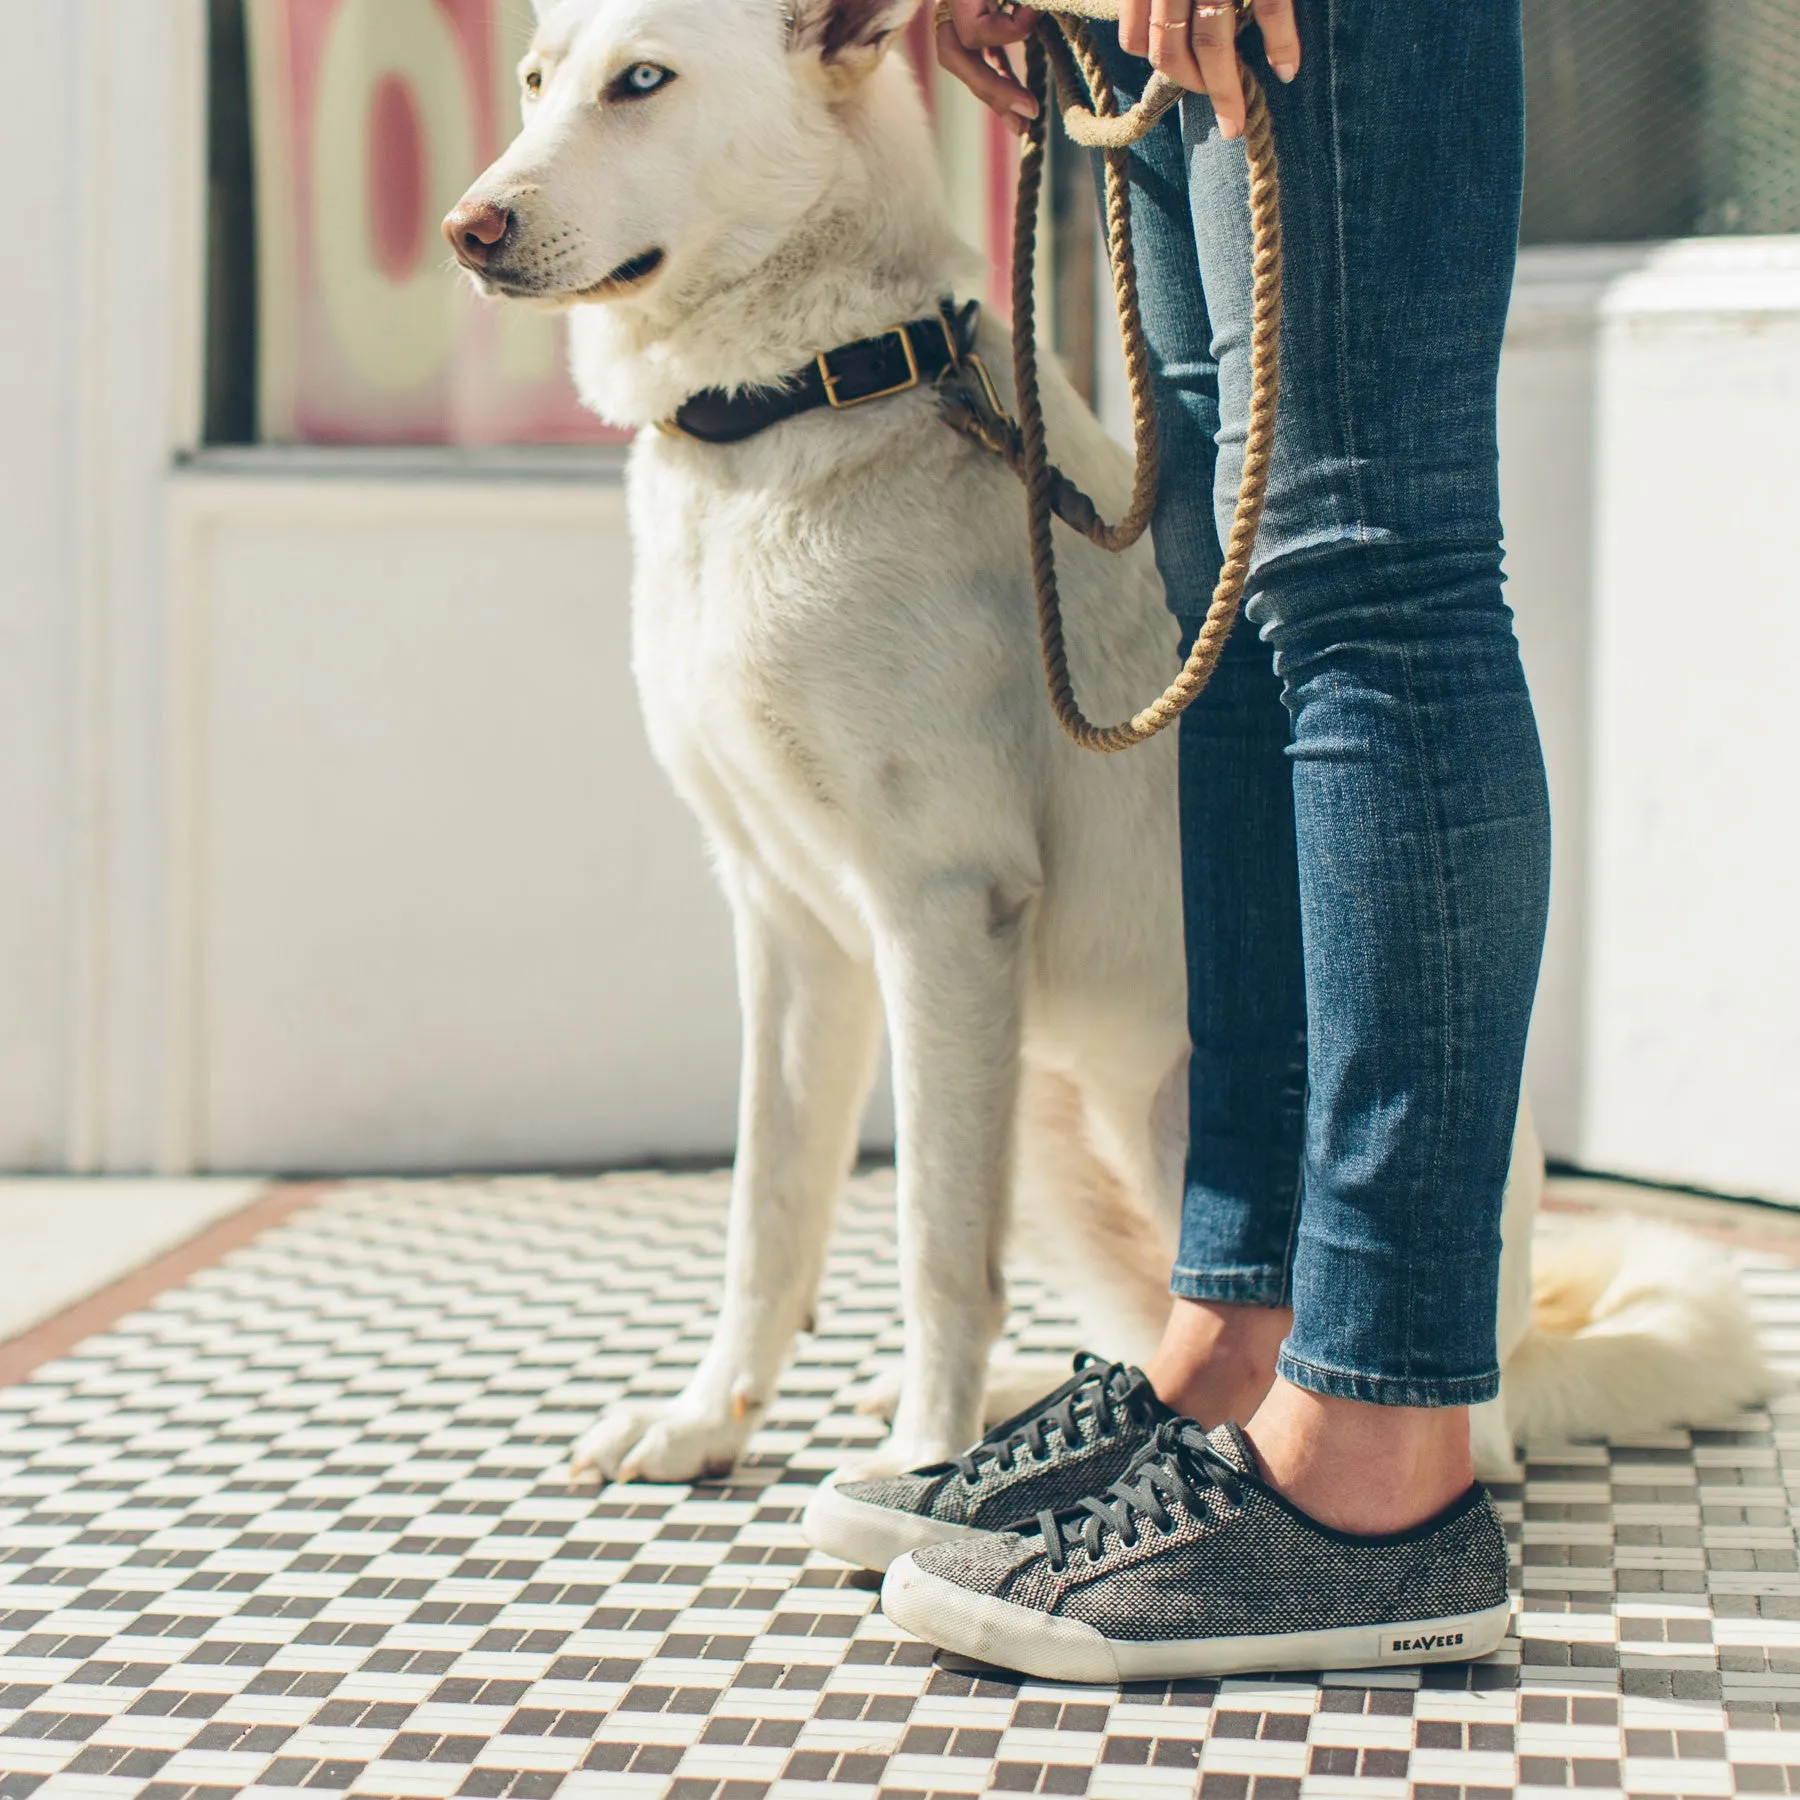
1061 45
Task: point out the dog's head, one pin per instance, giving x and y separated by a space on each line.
665 143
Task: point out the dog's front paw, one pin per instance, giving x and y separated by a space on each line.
644 1441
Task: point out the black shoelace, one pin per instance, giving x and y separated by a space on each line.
1090 1399
1175 1466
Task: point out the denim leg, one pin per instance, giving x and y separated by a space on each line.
1420 811
1240 884
1240 893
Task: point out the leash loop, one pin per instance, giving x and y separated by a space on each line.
1061 48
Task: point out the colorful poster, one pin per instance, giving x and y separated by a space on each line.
370 119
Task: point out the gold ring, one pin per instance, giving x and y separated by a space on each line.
940 14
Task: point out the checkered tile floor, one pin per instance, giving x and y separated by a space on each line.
301 1524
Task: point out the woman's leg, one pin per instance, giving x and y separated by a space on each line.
1419 803
1240 884
1419 821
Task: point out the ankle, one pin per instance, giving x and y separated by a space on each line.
1216 1360
1361 1468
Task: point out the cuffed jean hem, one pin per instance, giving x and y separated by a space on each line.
1265 1285
1388 1390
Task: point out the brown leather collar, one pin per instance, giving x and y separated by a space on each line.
895 362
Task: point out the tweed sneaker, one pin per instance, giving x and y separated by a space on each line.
1071 1443
1190 1564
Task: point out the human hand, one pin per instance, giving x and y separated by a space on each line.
1194 43
972 36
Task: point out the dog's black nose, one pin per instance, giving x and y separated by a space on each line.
475 230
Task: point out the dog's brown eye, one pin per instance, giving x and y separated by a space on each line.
534 80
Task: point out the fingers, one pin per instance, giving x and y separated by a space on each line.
983 24
986 75
1134 27
1280 36
1213 40
1171 49
1193 42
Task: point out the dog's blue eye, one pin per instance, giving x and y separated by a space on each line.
646 78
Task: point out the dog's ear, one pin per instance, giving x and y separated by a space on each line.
848 36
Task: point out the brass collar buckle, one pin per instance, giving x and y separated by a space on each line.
831 380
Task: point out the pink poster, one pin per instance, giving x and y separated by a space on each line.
371 118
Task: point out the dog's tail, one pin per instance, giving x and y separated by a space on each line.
1635 1328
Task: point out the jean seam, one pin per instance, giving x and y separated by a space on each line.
1247 1285
1441 887
1388 1390
1296 1203
1341 273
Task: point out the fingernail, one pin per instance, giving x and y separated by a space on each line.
1230 128
1285 70
1024 106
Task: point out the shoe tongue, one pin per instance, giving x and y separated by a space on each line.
1120 1380
1131 1386
1125 1380
1228 1440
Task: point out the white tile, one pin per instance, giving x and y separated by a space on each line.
408 1335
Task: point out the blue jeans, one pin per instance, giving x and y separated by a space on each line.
1364 820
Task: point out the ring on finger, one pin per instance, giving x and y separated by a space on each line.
940 15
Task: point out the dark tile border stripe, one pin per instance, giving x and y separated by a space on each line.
61 1332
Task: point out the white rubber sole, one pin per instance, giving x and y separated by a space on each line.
871 1536
1056 1649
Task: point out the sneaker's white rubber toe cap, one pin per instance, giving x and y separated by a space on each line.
871 1536
994 1631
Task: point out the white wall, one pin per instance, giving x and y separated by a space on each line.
330 835
1651 461
99 366
1693 980
36 729
433 904
1548 444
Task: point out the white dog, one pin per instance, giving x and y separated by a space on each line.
838 663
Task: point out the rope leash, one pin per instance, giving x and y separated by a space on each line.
1061 49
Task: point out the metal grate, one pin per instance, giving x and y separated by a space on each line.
1660 118
1753 140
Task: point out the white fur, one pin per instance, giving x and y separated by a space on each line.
836 653
1663 1335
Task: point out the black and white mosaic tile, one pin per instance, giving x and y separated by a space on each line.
302 1524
